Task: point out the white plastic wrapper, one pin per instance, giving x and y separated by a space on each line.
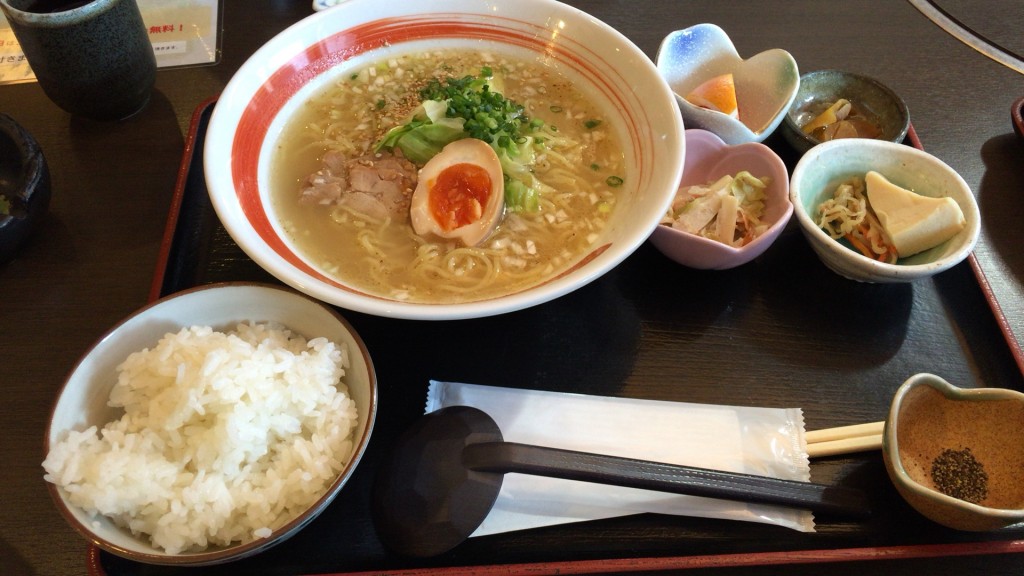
762 441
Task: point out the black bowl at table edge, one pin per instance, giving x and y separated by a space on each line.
24 184
803 142
1017 114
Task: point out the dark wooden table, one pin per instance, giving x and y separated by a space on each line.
94 257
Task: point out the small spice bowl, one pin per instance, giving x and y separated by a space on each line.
879 111
945 445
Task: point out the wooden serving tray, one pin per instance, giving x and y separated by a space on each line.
781 331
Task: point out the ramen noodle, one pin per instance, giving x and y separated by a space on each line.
574 172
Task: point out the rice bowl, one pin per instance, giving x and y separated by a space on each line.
225 437
224 433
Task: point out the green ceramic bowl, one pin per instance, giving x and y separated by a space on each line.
825 166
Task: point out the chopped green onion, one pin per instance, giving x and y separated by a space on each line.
555 109
488 114
595 167
591 124
613 181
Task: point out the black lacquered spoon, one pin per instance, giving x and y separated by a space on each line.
444 474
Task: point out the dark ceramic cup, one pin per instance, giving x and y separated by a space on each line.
93 58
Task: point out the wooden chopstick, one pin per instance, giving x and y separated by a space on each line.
853 431
844 439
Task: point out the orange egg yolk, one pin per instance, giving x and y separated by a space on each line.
459 194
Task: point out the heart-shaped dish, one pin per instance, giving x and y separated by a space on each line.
766 83
941 439
708 158
325 4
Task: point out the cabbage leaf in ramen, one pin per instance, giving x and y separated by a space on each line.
360 155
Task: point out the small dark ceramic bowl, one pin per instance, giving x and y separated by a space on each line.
24 186
821 88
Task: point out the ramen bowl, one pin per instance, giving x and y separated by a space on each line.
708 158
765 84
955 454
825 166
266 94
83 403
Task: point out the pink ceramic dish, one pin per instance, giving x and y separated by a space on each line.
707 159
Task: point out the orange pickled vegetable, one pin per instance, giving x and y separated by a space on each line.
718 94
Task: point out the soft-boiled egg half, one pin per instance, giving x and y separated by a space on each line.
460 193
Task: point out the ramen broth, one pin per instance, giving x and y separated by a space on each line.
579 170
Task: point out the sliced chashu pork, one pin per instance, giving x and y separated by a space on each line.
377 185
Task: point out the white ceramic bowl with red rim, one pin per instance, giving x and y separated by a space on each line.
708 158
82 401
265 92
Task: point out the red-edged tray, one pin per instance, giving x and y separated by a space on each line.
782 331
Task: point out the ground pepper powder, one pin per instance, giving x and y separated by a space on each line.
958 474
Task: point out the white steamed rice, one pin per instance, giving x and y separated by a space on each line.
224 438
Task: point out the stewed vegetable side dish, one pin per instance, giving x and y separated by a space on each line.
729 210
886 222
